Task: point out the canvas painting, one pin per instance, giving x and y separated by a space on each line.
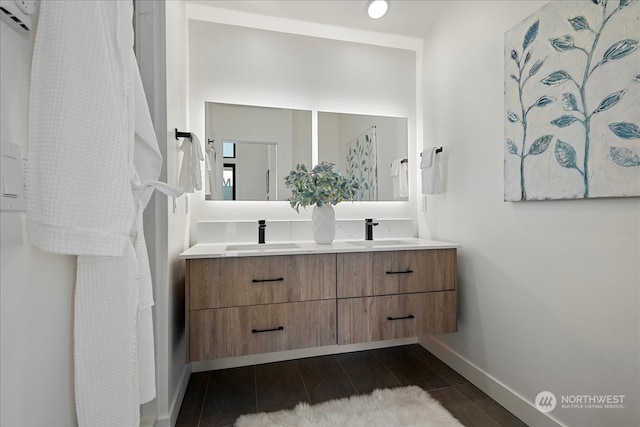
362 163
572 102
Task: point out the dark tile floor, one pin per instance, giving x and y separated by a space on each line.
218 398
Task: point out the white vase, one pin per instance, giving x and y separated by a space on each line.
323 223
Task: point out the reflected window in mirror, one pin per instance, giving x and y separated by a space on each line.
228 149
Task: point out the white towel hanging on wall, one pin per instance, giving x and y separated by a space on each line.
191 169
430 168
400 179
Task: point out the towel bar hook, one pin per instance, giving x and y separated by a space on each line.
438 150
180 134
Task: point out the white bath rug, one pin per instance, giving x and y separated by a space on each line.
406 407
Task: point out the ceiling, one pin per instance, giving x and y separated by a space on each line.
405 17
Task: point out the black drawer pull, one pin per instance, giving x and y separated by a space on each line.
259 331
400 272
279 279
411 316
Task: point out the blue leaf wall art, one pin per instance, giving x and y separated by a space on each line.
572 102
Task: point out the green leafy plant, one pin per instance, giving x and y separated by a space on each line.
320 186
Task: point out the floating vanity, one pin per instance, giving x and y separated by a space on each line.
246 299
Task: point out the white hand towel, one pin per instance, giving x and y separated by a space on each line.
399 179
191 170
395 167
430 167
403 181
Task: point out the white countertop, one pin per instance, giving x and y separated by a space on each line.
219 250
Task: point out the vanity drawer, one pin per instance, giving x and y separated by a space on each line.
396 316
237 331
395 272
229 282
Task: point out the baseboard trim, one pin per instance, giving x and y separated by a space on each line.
501 393
147 421
257 359
176 402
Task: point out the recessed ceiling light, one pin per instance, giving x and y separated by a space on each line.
377 8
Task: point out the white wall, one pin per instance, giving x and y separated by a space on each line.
161 50
241 65
176 372
301 134
36 324
549 290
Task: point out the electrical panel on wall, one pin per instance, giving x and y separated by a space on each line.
14 186
18 13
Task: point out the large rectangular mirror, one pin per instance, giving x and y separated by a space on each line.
249 150
372 148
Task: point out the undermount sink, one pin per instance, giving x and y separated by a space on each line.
378 242
262 246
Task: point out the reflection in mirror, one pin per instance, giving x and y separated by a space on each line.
372 148
251 149
255 161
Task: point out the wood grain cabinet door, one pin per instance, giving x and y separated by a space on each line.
396 316
237 331
354 274
261 280
414 271
395 272
202 275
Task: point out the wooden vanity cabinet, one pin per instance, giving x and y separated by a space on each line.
249 305
396 294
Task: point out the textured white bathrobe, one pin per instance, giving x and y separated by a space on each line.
93 165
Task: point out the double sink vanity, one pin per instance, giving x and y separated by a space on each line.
291 293
246 299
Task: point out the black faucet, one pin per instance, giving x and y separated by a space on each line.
262 225
368 228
